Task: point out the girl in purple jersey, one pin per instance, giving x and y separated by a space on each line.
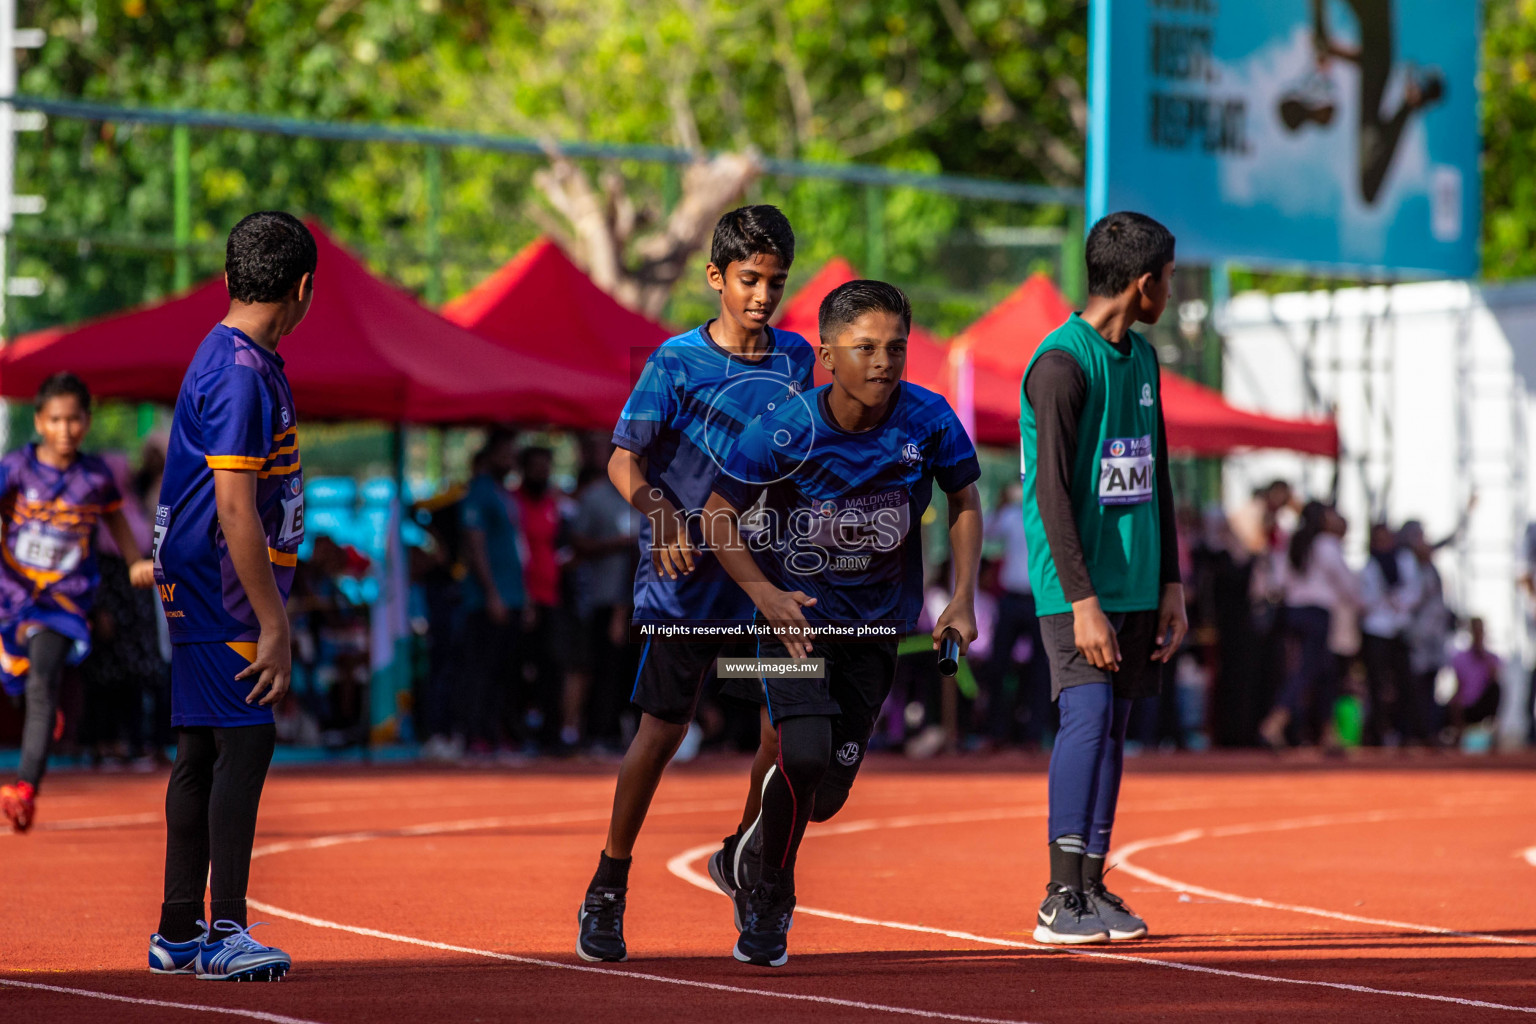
52 496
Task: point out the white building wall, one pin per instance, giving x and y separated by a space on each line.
1429 384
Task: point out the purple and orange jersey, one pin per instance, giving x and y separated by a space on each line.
49 573
235 411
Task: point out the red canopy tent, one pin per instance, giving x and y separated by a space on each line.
367 350
1200 421
540 302
927 356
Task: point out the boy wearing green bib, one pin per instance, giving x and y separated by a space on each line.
1098 517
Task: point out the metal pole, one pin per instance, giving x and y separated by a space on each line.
1211 369
181 149
435 292
1073 270
874 227
7 146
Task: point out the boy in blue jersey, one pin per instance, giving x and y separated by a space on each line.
848 471
52 497
227 535
681 423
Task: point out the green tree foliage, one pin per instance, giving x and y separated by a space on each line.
986 87
1509 138
888 82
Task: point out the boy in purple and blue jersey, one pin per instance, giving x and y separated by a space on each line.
52 499
227 534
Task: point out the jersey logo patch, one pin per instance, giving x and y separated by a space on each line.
910 454
848 754
1146 395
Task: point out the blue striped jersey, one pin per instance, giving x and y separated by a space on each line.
842 516
685 415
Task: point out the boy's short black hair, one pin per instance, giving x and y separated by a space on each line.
61 384
847 302
750 231
1123 246
265 256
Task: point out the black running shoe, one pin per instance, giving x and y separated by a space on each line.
722 870
601 921
1067 919
722 866
747 858
1117 917
770 912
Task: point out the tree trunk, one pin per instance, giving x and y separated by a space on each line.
597 224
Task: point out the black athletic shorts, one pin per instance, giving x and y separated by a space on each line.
672 674
1138 676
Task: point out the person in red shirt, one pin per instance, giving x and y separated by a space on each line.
540 511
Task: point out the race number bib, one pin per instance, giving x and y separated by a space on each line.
38 547
292 531
1125 471
162 523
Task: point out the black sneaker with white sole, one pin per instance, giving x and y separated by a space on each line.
747 857
770 911
1117 917
722 872
600 935
1067 919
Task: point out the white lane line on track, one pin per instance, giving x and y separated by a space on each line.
1123 863
682 867
477 825
109 821
1530 855
735 990
272 1018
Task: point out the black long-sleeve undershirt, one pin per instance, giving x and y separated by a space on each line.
1057 389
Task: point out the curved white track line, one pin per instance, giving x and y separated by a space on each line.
271 1018
682 866
1123 863
559 817
267 908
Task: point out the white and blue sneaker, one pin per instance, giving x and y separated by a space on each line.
238 957
175 957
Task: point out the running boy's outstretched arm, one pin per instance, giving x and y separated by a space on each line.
141 571
965 530
234 492
671 550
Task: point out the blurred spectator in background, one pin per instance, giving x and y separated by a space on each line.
1222 616
1016 647
1477 685
330 629
493 594
1315 582
1257 524
604 534
541 511
1388 593
1343 634
125 664
438 572
1428 635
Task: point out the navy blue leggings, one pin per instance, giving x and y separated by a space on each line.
1086 763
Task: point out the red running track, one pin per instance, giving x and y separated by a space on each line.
1276 890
